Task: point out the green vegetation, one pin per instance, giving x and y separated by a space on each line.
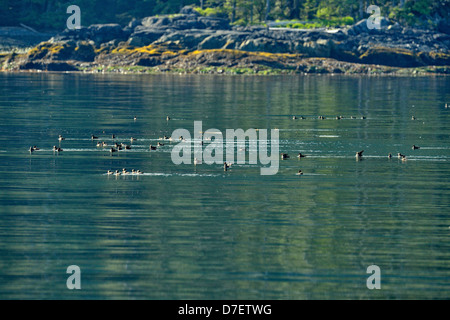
51 14
318 23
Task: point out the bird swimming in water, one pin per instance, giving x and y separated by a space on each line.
109 172
363 118
55 148
294 118
284 156
390 155
413 118
300 173
301 156
132 139
152 147
359 154
112 150
160 144
400 156
414 147
226 166
94 137
61 138
196 162
167 118
31 149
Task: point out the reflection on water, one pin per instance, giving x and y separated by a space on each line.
197 232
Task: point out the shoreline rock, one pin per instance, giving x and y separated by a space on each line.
189 41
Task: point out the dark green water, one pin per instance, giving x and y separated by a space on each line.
185 232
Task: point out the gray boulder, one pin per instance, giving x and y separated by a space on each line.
188 10
101 33
213 42
145 36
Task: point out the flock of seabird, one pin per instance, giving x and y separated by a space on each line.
116 147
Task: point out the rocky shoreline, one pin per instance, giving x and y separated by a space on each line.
191 43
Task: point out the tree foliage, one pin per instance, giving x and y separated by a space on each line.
51 14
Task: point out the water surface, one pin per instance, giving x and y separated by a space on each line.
186 232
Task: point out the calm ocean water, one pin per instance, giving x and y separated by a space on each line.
186 232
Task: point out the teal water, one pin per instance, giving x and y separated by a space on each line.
186 232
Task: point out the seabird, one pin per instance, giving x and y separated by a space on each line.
284 156
300 172
414 147
359 154
301 156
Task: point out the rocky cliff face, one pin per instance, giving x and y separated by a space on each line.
188 40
